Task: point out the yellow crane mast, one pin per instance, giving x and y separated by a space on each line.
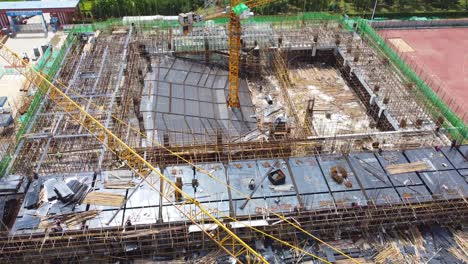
236 10
219 232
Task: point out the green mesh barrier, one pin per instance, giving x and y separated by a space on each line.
436 106
42 61
50 69
4 164
116 22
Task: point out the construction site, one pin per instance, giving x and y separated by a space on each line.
144 143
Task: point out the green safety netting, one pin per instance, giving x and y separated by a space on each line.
49 65
115 22
42 61
434 103
52 62
457 128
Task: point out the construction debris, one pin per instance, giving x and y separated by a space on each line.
313 93
338 174
389 254
277 177
70 219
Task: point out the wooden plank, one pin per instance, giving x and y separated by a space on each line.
119 185
102 198
360 260
407 167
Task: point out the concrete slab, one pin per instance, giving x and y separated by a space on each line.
464 151
414 193
455 157
463 172
217 209
369 171
270 189
252 208
208 188
145 195
318 201
383 196
240 174
282 204
326 162
182 92
147 215
177 91
101 220
308 176
349 199
436 160
448 184
191 92
395 157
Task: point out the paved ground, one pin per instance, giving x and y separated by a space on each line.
10 84
442 55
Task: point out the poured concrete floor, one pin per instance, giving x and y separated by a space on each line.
187 100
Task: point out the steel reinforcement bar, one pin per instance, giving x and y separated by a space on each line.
170 239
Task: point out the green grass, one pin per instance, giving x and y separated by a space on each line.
86 5
414 6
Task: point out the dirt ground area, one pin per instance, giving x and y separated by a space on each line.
337 110
11 82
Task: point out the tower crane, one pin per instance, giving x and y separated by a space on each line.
236 11
219 232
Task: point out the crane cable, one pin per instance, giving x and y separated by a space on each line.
234 220
207 173
221 182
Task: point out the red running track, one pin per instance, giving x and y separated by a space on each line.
440 56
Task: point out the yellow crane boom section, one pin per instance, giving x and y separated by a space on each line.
223 236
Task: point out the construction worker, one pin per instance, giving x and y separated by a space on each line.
59 155
252 184
119 163
454 144
57 227
380 150
128 223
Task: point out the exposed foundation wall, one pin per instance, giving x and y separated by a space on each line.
356 84
174 239
331 57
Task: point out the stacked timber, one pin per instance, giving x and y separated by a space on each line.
69 219
119 185
102 198
407 167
